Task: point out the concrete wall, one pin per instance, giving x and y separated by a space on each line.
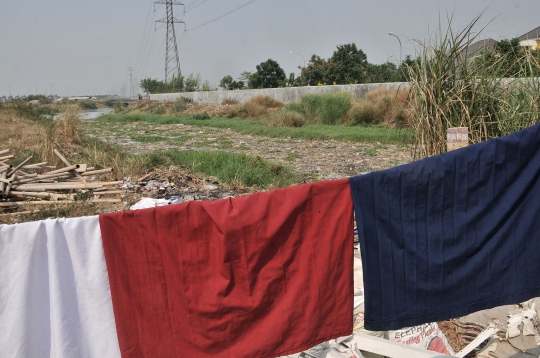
285 95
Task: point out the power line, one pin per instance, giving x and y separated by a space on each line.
145 36
222 16
194 6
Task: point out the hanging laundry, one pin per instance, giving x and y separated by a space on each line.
451 234
55 299
258 276
263 275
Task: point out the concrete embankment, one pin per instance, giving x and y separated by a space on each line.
285 95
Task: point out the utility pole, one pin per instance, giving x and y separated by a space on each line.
131 87
172 61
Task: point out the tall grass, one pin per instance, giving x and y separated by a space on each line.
236 169
254 108
326 108
450 90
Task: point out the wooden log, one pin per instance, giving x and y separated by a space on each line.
65 186
58 186
40 177
100 171
144 177
26 176
82 168
63 170
106 200
5 151
31 194
7 157
25 202
2 184
14 170
9 186
4 169
46 202
68 164
6 181
37 164
39 167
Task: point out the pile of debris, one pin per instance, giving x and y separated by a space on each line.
39 183
160 188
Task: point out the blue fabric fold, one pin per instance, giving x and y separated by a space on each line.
451 234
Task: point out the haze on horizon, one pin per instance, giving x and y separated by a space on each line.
85 48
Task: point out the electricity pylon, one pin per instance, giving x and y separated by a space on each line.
172 61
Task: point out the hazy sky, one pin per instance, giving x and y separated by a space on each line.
80 47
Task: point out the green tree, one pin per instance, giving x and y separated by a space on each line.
244 76
236 85
150 85
206 86
347 65
316 71
269 75
193 82
225 82
509 59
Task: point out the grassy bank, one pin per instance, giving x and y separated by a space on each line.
258 127
230 168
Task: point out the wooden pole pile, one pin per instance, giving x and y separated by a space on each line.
47 184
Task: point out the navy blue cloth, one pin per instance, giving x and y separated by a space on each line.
451 234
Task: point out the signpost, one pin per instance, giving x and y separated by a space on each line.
457 138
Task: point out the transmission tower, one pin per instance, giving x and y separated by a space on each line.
123 91
131 85
172 61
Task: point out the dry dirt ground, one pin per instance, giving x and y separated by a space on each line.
316 159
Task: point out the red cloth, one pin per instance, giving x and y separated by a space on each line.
262 275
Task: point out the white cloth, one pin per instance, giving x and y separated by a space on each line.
55 299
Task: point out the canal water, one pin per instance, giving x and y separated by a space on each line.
94 113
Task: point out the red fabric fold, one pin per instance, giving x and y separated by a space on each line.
262 275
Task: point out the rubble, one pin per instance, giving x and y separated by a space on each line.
174 187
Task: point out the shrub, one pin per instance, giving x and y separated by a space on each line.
118 107
229 101
294 106
285 118
363 112
201 116
109 103
326 108
266 101
255 107
181 103
88 104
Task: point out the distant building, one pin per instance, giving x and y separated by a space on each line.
80 98
531 40
480 46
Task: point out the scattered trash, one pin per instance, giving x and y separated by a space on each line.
484 335
146 203
427 336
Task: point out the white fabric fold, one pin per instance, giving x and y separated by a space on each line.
55 299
